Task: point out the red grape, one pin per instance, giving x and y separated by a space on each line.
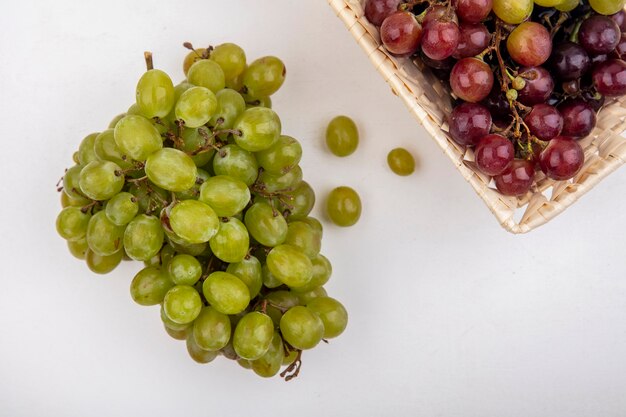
569 61
620 49
562 159
401 33
442 13
529 44
620 19
544 121
471 79
599 35
445 64
474 38
539 85
473 11
494 154
469 122
497 103
516 179
609 78
376 11
594 99
440 39
579 118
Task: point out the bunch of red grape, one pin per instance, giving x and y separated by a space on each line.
527 78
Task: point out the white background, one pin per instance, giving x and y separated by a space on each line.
449 314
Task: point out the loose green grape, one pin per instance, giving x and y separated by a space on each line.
230 104
137 137
107 150
285 183
149 286
231 243
302 328
333 315
567 5
208 74
151 199
103 264
306 297
231 58
193 141
279 302
103 236
301 201
181 334
401 162
266 226
269 364
122 208
86 153
72 223
226 293
322 270
101 180
281 157
71 183
171 169
78 248
143 237
196 106
290 265
259 127
198 354
344 206
253 335
314 223
513 12
269 279
249 272
211 330
236 163
226 195
194 192
342 136
264 76
193 57
182 304
303 237
184 269
607 7
194 221
155 94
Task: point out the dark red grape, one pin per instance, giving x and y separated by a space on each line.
596 59
474 38
599 35
471 79
594 99
562 159
440 39
516 179
579 119
401 33
469 122
620 49
473 11
571 87
445 64
544 121
497 103
530 44
569 61
620 19
494 154
539 85
609 78
442 13
376 11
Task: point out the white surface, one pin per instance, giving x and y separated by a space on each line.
450 315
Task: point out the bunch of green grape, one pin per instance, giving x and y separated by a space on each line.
197 181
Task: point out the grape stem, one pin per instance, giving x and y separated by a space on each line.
148 58
89 206
293 370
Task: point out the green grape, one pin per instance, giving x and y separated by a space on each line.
269 364
236 163
71 183
184 269
103 236
155 94
244 363
181 334
198 354
314 223
72 223
279 301
171 169
67 201
103 264
211 330
513 12
169 324
137 137
322 270
193 140
342 136
290 265
149 286
122 208
548 3
101 180
226 293
266 226
253 335
196 106
401 162
86 153
180 88
193 249
281 157
264 76
235 83
302 328
143 237
194 192
269 280
607 7
301 201
567 5
231 58
333 315
182 304
133 110
116 119
249 272
231 243
166 254
194 221
226 195
343 206
208 74
306 297
303 237
230 104
106 149
192 57
75 158
258 102
78 248
151 199
260 129
277 183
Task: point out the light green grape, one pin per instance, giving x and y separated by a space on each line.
107 150
72 223
269 364
71 183
401 162
181 334
264 76
342 136
171 169
78 248
192 57
278 302
226 195
266 226
143 237
306 297
193 140
196 106
169 324
226 293
103 236
122 208
333 315
281 157
290 265
101 180
281 183
149 286
198 354
230 104
194 221
567 5
211 330
314 223
194 192
182 304
260 128
184 269
208 74
86 152
115 120
513 12
67 201
231 58
547 3
303 237
137 137
301 201
180 88
344 206
236 163
253 335
322 270
193 249
103 264
269 279
302 328
155 94
231 243
249 272
607 7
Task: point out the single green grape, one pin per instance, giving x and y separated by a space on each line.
137 137
266 226
401 162
231 243
303 237
72 223
179 89
182 304
249 272
301 201
253 335
281 157
194 141
155 94
269 280
149 286
78 248
194 192
193 57
103 264
211 330
143 237
101 180
208 74
513 12
196 106
279 302
314 223
567 5
264 76
71 183
230 104
198 354
226 293
333 315
269 364
226 195
194 221
342 136
184 269
607 7
306 297
171 169
302 328
290 265
107 150
86 152
103 236
236 163
343 206
181 334
322 270
259 127
122 208
231 58
281 183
